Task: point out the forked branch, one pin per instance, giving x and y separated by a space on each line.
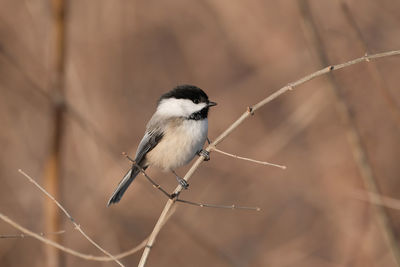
77 226
70 251
175 196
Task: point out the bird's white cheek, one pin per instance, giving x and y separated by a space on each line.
178 107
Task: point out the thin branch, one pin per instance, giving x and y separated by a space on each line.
249 112
74 252
248 159
46 193
24 236
77 226
231 207
175 196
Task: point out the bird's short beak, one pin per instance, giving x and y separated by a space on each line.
211 104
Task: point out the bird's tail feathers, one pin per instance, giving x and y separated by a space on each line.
123 185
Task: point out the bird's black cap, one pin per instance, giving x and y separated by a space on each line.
190 92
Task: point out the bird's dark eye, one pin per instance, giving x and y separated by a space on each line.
196 101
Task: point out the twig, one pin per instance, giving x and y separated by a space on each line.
248 159
234 125
77 226
231 207
174 196
74 252
23 235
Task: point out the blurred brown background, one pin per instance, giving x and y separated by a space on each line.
120 56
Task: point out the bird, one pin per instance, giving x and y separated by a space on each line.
175 134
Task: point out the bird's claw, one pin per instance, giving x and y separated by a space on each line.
182 182
204 153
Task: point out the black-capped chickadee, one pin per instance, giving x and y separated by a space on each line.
175 133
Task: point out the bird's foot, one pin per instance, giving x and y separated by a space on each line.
205 154
182 182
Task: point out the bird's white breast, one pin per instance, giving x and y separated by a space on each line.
180 143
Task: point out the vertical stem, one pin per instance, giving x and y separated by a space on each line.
52 164
354 137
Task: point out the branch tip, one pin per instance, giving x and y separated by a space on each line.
248 159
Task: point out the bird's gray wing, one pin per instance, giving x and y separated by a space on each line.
149 141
